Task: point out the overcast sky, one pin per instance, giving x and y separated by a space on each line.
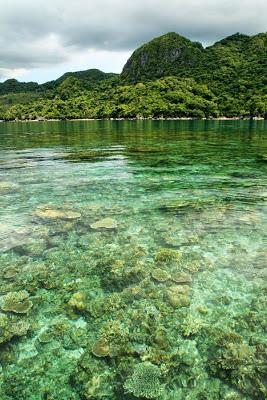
42 39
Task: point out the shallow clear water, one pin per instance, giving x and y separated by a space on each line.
133 260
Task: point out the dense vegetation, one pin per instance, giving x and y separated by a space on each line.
168 97
14 86
169 77
235 69
88 78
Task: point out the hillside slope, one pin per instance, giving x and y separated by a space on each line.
169 76
170 54
89 78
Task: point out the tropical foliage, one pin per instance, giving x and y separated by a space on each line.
169 77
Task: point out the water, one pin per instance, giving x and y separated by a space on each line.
133 260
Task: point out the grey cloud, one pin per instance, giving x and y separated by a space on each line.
36 33
30 54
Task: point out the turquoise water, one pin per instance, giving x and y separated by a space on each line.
133 260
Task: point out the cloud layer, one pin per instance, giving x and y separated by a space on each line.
40 34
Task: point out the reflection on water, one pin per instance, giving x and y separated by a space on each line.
133 260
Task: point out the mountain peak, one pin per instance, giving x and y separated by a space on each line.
236 39
162 56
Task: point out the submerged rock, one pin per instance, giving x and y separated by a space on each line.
181 277
106 223
177 301
180 289
178 239
10 327
7 187
10 272
93 207
54 213
182 205
17 302
101 348
11 237
27 351
34 247
77 301
160 275
178 296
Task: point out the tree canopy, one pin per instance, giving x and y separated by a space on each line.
169 77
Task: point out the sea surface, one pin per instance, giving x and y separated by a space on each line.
133 260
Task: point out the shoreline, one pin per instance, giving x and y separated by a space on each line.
139 119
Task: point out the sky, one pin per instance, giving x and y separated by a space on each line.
42 39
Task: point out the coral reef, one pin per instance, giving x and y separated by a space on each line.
165 255
181 277
145 381
77 301
106 223
101 348
11 326
17 302
160 275
136 276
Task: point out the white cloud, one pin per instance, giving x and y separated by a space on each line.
56 33
6 73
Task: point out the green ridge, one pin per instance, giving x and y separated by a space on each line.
178 77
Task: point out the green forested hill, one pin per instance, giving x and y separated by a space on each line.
235 58
170 54
14 86
167 97
89 78
236 71
167 77
235 68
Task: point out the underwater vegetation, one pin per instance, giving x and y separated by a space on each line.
125 320
112 291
